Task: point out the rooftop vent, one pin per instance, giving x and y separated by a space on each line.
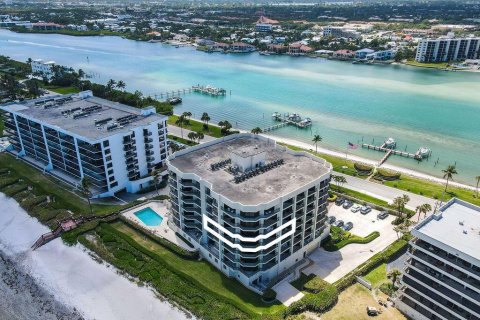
465 231
460 223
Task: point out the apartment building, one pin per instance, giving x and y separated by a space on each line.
78 135
447 49
253 208
44 69
340 32
441 279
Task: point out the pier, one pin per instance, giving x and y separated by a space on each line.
288 119
389 148
209 90
173 93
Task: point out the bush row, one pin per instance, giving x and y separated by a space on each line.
331 245
363 168
383 174
315 302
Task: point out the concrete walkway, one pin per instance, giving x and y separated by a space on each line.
286 293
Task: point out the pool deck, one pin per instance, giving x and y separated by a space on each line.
163 230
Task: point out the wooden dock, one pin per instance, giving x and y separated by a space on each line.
277 126
173 93
389 152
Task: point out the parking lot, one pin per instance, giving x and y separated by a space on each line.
331 266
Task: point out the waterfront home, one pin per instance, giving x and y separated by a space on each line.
448 49
263 27
324 52
251 207
277 48
47 26
204 42
240 47
219 46
344 54
381 55
42 69
298 48
362 53
80 136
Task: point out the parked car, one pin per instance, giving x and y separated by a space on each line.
365 210
347 204
355 208
339 201
371 311
331 219
382 215
348 226
339 223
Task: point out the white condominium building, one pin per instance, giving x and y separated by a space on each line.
78 135
447 49
253 208
44 69
441 279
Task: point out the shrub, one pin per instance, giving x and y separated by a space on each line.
319 302
315 285
388 288
398 220
269 295
363 168
387 175
332 198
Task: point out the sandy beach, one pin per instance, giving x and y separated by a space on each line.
61 282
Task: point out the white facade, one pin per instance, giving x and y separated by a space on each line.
441 279
256 229
43 68
75 136
447 49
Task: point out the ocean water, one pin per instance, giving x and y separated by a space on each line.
347 103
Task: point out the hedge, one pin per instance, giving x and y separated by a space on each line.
315 302
383 174
363 168
331 245
315 285
269 295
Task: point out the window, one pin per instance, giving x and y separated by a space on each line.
112 178
106 143
107 151
113 185
108 158
109 165
110 172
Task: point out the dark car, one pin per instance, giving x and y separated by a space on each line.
339 201
382 215
348 226
331 219
347 204
339 223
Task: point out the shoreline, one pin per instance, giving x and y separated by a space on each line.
71 277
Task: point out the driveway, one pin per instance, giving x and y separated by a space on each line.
286 293
331 266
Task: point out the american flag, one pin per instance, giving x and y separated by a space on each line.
352 146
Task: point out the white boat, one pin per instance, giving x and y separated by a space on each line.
390 143
423 152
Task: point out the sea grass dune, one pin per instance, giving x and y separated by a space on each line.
61 282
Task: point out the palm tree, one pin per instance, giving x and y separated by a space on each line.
257 130
200 136
81 74
478 182
192 136
225 125
155 174
205 118
400 202
187 115
448 174
121 85
426 208
180 122
86 184
111 84
394 274
316 139
418 210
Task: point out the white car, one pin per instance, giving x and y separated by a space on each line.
355 208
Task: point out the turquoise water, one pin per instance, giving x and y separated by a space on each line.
417 107
149 217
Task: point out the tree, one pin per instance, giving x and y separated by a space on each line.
200 136
111 84
180 122
121 85
478 182
394 274
86 184
205 118
226 126
81 74
448 174
187 115
316 139
192 136
155 174
339 180
29 61
426 208
256 130
33 88
400 203
9 84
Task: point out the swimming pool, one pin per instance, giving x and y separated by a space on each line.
149 217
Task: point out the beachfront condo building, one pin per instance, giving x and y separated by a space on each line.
43 69
447 49
253 208
78 135
441 279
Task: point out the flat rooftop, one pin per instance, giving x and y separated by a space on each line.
457 225
92 126
298 169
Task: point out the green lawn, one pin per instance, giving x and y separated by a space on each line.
206 274
360 196
197 126
432 189
377 276
63 90
439 65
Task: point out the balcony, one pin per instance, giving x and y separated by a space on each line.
148 146
148 140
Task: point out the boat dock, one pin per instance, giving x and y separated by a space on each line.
288 119
171 94
389 147
212 91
